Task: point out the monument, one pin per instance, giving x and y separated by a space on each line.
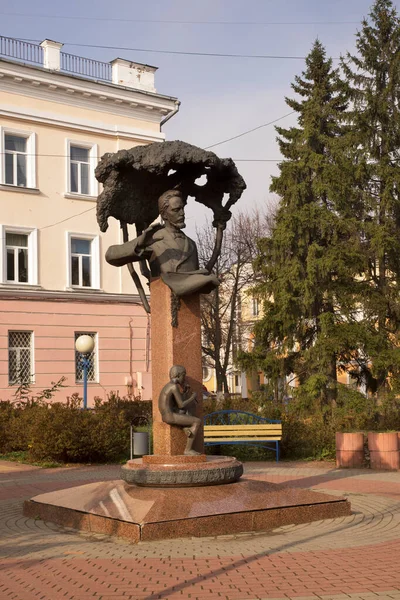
141 185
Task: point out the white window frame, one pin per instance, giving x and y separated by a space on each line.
209 373
93 160
95 262
96 356
32 254
30 136
255 307
32 349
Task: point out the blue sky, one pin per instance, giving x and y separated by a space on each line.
220 97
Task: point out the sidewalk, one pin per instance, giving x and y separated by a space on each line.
356 557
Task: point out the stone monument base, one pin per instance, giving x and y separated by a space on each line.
181 471
141 513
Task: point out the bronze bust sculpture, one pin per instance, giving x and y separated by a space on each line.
172 402
134 191
171 254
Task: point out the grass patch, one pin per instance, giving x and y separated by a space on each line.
23 458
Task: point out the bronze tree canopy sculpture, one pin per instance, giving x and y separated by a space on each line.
135 179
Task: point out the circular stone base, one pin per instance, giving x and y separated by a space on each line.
216 470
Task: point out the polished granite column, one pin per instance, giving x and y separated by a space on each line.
170 346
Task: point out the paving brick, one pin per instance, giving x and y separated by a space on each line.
356 557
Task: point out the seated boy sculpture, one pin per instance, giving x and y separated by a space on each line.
173 400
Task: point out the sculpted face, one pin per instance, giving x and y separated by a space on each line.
174 214
181 377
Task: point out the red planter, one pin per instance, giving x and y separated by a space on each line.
384 450
349 450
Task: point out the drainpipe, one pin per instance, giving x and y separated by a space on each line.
171 114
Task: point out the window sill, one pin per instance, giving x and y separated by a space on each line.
18 188
8 285
77 288
85 197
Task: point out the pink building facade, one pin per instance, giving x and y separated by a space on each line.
37 335
54 282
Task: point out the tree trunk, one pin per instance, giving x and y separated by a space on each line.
331 395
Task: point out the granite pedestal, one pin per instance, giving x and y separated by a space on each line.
179 345
143 513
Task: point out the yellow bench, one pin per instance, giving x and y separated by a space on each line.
219 430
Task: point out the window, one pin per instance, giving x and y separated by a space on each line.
17 257
15 159
20 357
92 370
255 307
82 159
83 261
80 165
18 260
18 153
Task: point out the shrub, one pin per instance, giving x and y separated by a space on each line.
64 432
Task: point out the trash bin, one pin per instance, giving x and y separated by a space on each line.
140 443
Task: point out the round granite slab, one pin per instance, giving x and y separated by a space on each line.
216 470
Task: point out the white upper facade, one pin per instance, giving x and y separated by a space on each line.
54 126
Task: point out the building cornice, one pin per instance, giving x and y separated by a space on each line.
86 297
72 90
80 124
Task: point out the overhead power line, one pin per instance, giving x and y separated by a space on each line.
67 219
178 22
175 52
235 137
98 157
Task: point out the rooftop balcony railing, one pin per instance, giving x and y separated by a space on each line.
94 69
69 63
49 56
21 51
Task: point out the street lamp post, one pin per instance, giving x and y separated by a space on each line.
85 345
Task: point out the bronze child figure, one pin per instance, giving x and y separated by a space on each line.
172 403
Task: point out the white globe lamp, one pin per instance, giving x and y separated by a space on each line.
85 345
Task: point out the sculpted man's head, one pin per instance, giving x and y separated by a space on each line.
177 374
171 207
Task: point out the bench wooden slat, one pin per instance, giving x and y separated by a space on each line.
238 433
241 437
244 439
260 427
232 434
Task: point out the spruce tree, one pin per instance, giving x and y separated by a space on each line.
373 75
310 266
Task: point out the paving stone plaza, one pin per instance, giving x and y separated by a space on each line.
355 557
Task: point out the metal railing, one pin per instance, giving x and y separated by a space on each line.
70 63
19 50
94 69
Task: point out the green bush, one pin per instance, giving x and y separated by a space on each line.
63 432
56 431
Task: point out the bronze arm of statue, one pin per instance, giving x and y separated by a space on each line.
172 403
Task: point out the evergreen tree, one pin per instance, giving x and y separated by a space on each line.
310 266
373 76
